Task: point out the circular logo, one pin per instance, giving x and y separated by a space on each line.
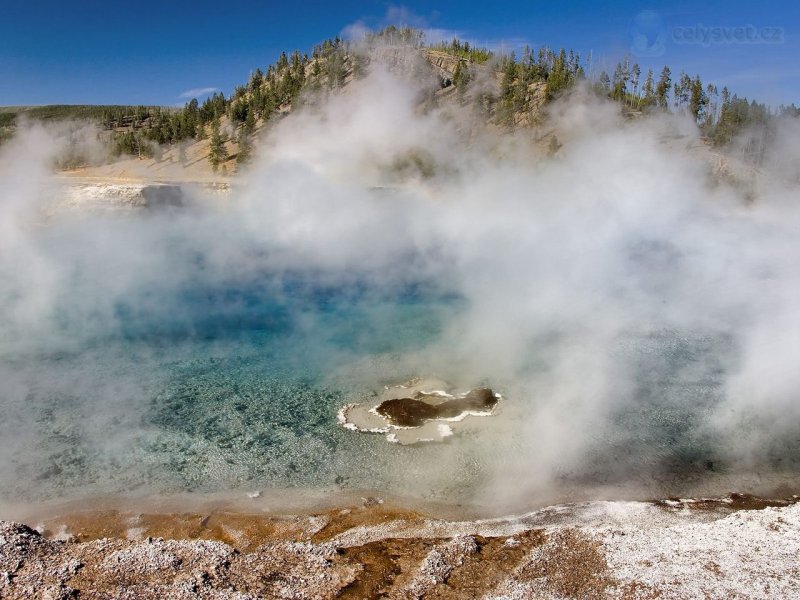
648 34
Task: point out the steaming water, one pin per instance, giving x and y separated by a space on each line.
223 383
637 315
211 388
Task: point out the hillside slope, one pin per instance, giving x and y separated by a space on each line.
188 160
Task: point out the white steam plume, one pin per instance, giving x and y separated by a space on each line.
618 275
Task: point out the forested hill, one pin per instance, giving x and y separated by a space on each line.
506 90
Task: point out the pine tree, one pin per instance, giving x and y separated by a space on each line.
711 111
245 148
698 100
250 122
636 72
461 77
649 91
217 153
663 87
256 79
509 91
283 62
605 82
683 91
621 75
559 77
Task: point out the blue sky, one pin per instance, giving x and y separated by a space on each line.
144 52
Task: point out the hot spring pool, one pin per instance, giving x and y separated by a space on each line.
238 389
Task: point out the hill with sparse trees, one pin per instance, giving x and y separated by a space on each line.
503 90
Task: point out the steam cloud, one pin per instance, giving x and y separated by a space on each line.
637 312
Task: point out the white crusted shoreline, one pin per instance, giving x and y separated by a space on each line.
734 547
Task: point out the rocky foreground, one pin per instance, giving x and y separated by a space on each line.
734 547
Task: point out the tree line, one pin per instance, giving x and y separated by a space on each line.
721 115
537 76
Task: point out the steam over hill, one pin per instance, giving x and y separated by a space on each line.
489 90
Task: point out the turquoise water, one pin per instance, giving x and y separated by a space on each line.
242 393
220 387
204 376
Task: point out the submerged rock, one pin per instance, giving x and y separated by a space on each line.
413 412
418 416
159 197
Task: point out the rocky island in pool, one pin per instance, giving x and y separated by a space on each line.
408 414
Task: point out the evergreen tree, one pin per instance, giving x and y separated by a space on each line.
461 77
698 100
336 70
245 153
249 123
559 77
683 91
283 62
605 82
649 90
636 72
621 76
217 152
711 110
509 91
359 66
737 116
256 80
662 89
